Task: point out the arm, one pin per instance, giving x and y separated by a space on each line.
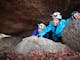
44 31
67 20
35 32
76 16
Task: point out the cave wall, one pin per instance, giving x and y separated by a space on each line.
20 17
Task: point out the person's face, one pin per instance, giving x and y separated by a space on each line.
40 29
55 22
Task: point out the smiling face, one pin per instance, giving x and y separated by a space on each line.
41 26
55 22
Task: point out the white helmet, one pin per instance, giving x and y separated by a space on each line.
57 15
41 25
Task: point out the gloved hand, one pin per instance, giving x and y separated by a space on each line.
76 16
36 38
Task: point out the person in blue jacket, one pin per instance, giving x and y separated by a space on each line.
41 26
57 26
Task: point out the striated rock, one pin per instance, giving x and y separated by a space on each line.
71 35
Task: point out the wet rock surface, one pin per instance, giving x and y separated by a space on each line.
42 49
71 35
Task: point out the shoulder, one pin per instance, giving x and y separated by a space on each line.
50 24
63 20
36 29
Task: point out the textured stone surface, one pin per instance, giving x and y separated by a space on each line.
71 35
37 55
20 17
42 44
8 43
42 49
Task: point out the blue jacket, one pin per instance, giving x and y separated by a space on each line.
59 29
35 33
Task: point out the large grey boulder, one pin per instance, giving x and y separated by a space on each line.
42 49
28 44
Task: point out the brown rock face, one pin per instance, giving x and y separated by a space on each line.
20 16
71 35
42 49
8 43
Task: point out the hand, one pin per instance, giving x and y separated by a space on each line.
36 38
77 16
